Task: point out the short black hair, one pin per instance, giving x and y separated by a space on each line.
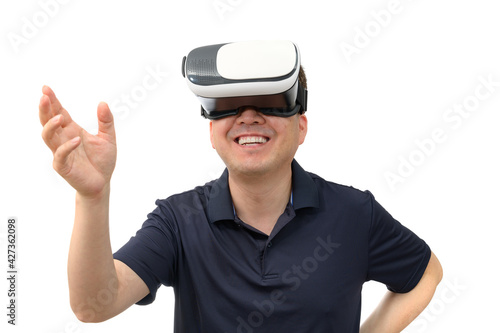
302 77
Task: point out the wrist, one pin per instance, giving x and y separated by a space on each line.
95 197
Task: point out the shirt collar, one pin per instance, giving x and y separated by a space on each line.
305 192
220 205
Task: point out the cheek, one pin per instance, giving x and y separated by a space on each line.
214 140
217 134
212 135
293 134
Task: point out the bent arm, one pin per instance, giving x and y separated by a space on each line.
100 287
396 311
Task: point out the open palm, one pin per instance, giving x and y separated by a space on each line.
84 160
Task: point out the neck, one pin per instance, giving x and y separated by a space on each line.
259 200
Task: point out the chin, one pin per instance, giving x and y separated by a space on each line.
250 168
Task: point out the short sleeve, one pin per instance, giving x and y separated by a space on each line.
397 257
152 252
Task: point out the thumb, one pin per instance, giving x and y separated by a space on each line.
105 120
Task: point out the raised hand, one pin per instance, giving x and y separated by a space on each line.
84 160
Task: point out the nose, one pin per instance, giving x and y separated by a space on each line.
249 115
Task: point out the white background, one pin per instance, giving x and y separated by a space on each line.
366 112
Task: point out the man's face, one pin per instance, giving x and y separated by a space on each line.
251 143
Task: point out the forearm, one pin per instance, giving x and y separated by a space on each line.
396 311
393 314
92 275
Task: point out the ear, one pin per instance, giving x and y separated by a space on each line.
212 135
302 128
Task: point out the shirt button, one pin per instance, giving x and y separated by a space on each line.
270 244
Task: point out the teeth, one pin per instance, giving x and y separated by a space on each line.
248 140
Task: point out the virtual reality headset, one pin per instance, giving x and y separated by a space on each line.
261 74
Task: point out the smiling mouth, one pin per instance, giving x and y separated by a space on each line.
251 140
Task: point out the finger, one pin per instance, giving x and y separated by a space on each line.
55 106
61 155
44 110
49 132
105 121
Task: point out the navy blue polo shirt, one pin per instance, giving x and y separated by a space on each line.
306 276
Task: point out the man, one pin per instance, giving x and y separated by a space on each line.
267 247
